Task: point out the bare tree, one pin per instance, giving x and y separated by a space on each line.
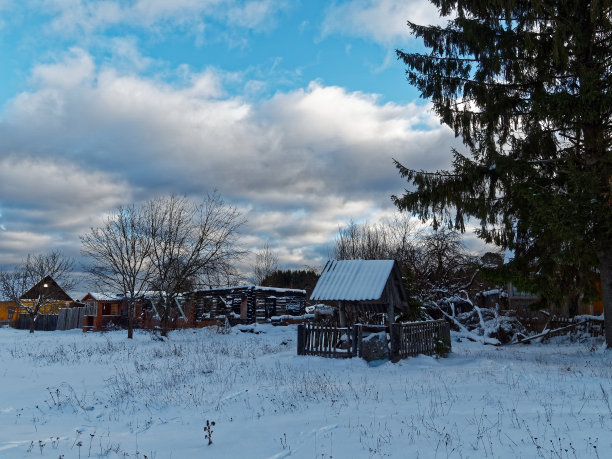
361 241
266 263
192 243
432 263
388 239
33 284
441 265
119 251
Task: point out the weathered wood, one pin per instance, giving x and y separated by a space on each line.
43 322
261 302
406 339
70 318
418 338
325 341
300 339
357 335
396 341
548 333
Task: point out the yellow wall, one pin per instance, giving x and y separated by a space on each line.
52 307
4 309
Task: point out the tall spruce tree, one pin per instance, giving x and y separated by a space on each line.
527 85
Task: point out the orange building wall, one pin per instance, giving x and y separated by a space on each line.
5 306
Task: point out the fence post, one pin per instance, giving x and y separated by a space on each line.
446 333
396 330
357 334
300 339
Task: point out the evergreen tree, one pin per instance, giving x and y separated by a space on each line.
527 87
304 279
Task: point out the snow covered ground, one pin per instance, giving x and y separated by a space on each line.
70 395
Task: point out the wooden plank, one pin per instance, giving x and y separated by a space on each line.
300 339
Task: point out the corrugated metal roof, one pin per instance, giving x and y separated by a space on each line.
352 280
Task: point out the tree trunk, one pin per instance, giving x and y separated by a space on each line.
32 318
165 319
164 327
605 275
131 319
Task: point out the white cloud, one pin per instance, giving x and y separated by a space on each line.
381 20
57 193
254 14
303 162
47 203
125 53
76 68
14 245
89 16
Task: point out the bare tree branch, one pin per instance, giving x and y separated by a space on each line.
23 285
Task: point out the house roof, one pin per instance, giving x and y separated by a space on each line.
102 297
253 287
49 289
353 280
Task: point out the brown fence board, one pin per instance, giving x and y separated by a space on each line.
324 341
408 340
419 338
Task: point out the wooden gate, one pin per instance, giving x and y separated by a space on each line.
429 337
329 341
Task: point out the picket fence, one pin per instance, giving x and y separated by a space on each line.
408 339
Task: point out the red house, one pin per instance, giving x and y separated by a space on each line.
101 311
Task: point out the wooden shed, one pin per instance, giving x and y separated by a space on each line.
362 286
245 303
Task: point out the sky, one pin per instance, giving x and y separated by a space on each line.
292 110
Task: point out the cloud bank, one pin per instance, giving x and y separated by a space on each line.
85 138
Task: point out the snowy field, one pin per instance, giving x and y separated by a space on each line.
70 395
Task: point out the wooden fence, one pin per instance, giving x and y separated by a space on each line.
429 338
329 341
70 318
43 322
592 326
67 319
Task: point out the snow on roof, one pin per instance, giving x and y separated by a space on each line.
102 297
254 287
352 280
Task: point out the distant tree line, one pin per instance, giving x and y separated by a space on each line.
303 279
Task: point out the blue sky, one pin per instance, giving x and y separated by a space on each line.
293 44
292 110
